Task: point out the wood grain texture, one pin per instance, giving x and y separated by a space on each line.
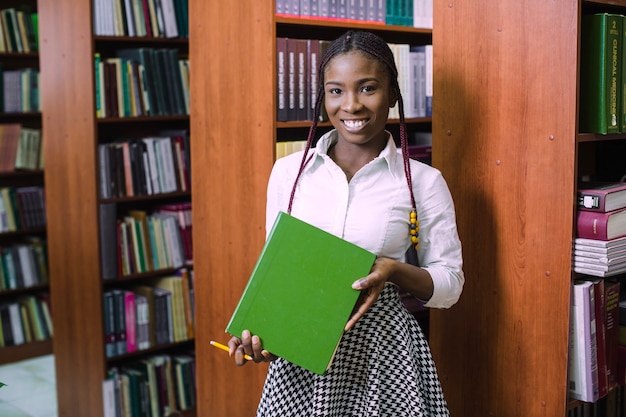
232 147
70 176
504 125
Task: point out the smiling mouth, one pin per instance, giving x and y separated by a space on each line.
355 124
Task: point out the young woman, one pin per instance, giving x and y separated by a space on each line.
357 185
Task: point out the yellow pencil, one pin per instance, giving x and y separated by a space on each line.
226 349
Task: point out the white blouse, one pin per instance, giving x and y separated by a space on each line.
372 210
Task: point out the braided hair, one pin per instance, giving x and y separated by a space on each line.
376 48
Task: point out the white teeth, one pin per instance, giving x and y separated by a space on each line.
354 123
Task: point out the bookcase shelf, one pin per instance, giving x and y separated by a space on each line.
511 154
19 285
75 196
27 351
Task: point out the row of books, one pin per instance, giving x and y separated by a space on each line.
22 208
613 405
146 166
20 90
142 82
593 356
19 31
26 319
138 242
415 13
599 248
150 18
602 74
24 264
148 315
156 386
298 79
20 148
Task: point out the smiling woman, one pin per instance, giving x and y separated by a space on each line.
356 185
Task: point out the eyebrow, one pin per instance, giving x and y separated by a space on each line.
361 81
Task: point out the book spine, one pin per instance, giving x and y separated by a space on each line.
600 78
301 79
591 226
281 80
611 299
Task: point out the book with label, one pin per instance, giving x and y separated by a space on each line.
599 74
299 295
602 197
601 226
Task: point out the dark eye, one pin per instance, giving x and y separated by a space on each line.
368 88
334 91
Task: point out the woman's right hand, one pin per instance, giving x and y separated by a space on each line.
248 345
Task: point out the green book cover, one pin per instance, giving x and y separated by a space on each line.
299 295
600 74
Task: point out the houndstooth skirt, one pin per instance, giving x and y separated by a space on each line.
382 368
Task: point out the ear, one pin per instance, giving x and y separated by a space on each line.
393 97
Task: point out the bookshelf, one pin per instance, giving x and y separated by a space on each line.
18 175
76 199
234 145
505 132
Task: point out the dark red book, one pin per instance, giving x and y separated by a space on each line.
601 197
601 226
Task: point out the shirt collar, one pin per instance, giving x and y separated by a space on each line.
389 154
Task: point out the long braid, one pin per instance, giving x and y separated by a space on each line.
376 47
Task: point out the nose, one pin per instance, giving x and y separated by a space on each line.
351 103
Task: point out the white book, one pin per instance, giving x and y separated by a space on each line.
166 158
599 258
429 80
16 324
108 398
583 372
600 267
27 264
153 172
579 241
169 18
596 272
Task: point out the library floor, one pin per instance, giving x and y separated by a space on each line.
30 389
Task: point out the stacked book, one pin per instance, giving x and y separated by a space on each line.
599 248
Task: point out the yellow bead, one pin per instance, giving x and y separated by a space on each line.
413 215
414 239
413 232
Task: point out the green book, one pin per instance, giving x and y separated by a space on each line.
600 74
299 296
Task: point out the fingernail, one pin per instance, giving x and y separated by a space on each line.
245 333
255 339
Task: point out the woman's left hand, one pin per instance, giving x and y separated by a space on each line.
371 286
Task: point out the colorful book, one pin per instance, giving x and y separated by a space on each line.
601 226
302 281
602 197
599 73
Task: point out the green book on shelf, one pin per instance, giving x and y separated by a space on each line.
299 296
600 74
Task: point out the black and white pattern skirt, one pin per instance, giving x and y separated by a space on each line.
382 368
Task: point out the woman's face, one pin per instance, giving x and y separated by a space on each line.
358 96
